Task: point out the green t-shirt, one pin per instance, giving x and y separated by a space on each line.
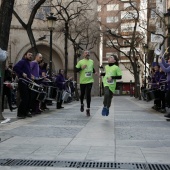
111 71
86 75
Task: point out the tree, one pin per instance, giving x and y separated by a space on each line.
84 34
28 26
6 10
68 11
128 37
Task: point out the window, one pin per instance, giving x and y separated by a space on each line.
126 42
109 43
111 19
112 7
99 19
128 15
127 27
125 50
109 54
99 7
128 5
153 13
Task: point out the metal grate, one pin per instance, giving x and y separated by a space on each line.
83 164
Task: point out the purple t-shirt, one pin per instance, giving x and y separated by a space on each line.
34 69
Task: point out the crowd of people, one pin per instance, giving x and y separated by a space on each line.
29 89
159 82
35 89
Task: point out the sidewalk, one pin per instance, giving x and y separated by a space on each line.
132 133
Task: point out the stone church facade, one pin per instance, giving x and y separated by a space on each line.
19 42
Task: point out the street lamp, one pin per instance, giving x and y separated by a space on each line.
167 23
145 49
51 20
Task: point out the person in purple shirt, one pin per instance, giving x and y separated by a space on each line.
23 71
166 68
35 104
35 66
60 83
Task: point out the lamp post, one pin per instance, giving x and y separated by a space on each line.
51 25
145 49
167 23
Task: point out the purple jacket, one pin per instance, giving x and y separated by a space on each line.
34 69
23 66
60 82
155 79
166 68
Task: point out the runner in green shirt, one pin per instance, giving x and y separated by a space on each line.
112 72
86 69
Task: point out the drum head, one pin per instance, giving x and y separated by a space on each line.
157 51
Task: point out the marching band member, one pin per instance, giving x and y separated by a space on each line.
60 83
166 68
43 74
35 104
7 89
23 71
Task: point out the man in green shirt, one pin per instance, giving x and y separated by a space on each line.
112 72
86 69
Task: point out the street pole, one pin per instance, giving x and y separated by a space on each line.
50 63
168 36
50 23
145 71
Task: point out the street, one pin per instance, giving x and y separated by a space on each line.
132 133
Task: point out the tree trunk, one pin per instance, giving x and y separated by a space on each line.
5 23
137 84
66 48
32 40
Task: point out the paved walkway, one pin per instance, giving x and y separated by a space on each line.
132 133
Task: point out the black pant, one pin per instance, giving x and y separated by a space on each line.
160 101
167 98
24 104
108 95
8 93
86 89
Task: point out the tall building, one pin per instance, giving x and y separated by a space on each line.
117 20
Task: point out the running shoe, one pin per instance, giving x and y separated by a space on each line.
82 108
104 111
88 112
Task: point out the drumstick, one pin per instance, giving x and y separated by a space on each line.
166 51
156 83
10 83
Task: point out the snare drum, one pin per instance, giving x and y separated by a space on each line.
152 94
51 92
65 96
41 96
34 87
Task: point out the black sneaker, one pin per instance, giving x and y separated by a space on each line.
21 117
82 108
163 110
29 115
167 115
88 112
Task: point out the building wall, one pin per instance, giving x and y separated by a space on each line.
117 11
19 42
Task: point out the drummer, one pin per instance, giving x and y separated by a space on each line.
35 104
43 74
23 71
